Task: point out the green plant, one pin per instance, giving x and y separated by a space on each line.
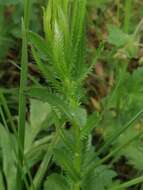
10 30
35 147
22 98
61 58
58 131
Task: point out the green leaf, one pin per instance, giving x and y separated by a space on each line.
38 178
56 182
128 43
113 137
80 116
8 157
44 95
65 159
39 112
39 43
90 124
133 151
117 37
78 36
44 69
100 179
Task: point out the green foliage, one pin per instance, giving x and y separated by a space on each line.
127 43
54 145
9 2
64 50
10 13
125 103
90 125
35 145
61 56
99 4
128 97
57 182
39 112
100 179
117 37
7 144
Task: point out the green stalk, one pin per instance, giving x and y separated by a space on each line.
3 118
77 161
44 164
6 126
77 187
13 127
128 14
7 111
128 184
22 98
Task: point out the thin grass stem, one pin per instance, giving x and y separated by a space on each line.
22 98
128 184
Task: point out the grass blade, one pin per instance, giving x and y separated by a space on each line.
22 98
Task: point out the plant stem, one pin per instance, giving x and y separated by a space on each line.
77 187
13 128
45 162
22 98
128 11
128 184
77 161
7 111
